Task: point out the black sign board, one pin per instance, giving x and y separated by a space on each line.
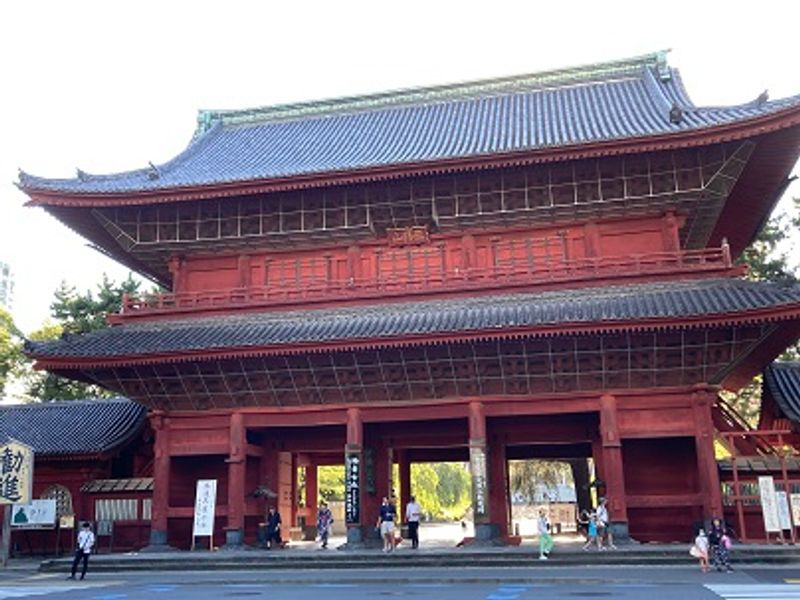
352 487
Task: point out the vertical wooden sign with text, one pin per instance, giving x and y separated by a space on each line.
352 499
205 504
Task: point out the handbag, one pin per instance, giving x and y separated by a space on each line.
695 551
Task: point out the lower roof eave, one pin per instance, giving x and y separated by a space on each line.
751 317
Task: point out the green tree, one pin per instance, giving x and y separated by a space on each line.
767 262
79 313
11 358
330 482
76 313
526 475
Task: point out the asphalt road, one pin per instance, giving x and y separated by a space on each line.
637 583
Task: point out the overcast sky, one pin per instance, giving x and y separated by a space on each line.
108 86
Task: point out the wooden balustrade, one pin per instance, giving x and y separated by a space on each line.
512 264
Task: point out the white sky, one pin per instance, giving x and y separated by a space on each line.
107 86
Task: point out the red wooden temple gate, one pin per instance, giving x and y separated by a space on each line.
540 265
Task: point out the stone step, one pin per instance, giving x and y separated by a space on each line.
332 559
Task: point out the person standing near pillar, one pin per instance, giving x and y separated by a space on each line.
413 513
324 523
386 524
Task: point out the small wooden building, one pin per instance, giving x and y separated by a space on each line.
94 458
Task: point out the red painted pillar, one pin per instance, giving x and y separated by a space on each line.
484 528
237 463
612 467
354 477
498 492
312 491
404 468
161 475
706 462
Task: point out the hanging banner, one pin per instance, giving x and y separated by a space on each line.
16 473
784 518
795 500
480 488
204 506
352 488
769 504
36 515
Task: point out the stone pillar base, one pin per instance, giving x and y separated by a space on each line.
234 539
488 534
158 542
361 537
619 529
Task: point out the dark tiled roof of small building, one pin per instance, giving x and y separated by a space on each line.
760 464
76 427
110 486
782 379
597 306
617 100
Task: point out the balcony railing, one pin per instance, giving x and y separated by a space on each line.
428 279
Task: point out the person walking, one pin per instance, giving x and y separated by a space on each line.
589 519
86 541
324 523
545 539
274 529
720 544
700 550
386 524
603 529
413 513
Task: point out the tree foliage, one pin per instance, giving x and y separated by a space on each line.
766 261
526 476
76 313
443 490
11 357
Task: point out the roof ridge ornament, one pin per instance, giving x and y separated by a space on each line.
662 66
763 98
82 175
153 172
675 114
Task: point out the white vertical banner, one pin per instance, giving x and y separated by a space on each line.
784 519
769 504
795 500
204 505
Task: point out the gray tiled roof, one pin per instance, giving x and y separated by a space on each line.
610 101
75 427
428 318
783 381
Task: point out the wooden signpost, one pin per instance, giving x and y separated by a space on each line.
16 486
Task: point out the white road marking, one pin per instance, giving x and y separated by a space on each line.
760 591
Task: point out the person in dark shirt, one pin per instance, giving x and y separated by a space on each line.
274 528
719 546
386 524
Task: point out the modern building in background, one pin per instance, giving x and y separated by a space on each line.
6 286
541 266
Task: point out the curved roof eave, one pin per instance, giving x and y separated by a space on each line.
783 119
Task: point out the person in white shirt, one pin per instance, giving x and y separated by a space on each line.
603 529
700 550
413 513
545 539
84 549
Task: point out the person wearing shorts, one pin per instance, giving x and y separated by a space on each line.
386 524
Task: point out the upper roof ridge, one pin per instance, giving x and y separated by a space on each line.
587 73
